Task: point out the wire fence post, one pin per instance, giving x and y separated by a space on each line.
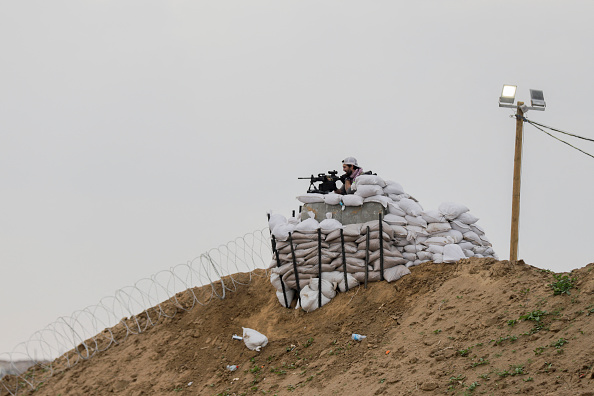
344 264
320 268
367 257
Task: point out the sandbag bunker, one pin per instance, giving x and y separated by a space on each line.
383 232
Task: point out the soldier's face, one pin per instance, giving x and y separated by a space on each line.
348 169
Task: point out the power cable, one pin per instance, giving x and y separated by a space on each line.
536 125
558 130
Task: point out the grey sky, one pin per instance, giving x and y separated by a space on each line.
136 135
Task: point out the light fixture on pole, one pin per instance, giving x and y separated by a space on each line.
508 95
537 102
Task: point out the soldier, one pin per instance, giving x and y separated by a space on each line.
351 171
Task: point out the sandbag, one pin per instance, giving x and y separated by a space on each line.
311 198
332 199
379 199
395 273
328 288
374 225
467 218
452 253
290 293
393 188
435 249
410 207
434 228
275 220
459 226
368 191
281 231
399 231
395 220
451 210
352 200
441 241
369 180
395 197
424 256
309 299
389 262
454 234
437 258
484 240
467 245
478 229
416 221
409 256
433 216
416 231
373 276
308 225
394 208
329 224
414 248
351 281
472 237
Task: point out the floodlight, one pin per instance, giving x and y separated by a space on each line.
537 98
508 94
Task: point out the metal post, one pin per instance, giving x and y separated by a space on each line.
295 268
367 257
344 267
320 268
381 232
515 220
278 264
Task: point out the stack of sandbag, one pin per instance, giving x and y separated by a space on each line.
337 269
410 236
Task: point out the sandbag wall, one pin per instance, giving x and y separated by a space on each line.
345 255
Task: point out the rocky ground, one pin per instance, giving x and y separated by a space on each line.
478 326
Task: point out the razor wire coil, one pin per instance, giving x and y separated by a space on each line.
134 309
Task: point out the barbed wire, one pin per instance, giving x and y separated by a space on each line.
134 309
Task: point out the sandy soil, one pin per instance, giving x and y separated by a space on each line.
444 329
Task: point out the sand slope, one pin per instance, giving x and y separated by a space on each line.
444 329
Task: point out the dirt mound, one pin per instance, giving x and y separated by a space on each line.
476 326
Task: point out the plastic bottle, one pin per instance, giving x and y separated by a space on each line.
232 367
236 337
358 337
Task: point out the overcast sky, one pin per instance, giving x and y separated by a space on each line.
135 135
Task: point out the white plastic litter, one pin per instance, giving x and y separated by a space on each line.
253 339
358 337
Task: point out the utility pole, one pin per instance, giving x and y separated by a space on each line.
515 220
537 102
